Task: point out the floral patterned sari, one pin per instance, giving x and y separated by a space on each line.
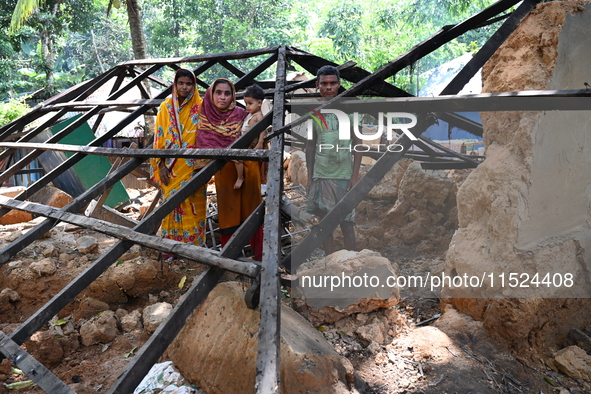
176 127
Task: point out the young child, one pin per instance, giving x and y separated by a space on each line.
253 98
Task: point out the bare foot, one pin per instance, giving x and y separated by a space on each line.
238 183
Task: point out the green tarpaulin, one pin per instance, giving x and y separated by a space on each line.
92 168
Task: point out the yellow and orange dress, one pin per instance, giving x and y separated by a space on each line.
176 127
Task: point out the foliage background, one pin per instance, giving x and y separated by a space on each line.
87 41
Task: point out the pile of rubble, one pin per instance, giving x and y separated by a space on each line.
408 207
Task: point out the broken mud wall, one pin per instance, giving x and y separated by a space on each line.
526 209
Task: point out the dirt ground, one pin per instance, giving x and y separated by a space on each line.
439 350
429 352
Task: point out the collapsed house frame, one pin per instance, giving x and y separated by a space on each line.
265 290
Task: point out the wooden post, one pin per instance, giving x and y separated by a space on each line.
267 377
105 195
152 206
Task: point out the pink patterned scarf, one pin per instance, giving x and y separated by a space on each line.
219 128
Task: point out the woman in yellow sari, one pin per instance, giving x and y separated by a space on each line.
176 127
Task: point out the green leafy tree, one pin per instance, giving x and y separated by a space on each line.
50 18
343 25
184 28
105 45
437 11
58 21
170 27
374 33
80 40
12 110
240 25
12 58
300 23
136 26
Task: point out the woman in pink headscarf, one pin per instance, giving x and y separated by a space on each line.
220 124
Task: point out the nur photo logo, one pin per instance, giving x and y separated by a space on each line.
393 122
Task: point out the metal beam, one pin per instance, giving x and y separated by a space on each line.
106 103
458 165
246 230
353 197
152 350
462 122
188 251
152 78
91 87
76 205
31 367
146 226
50 176
77 93
489 48
531 100
353 74
200 70
116 86
224 154
99 141
249 77
230 67
57 137
388 90
440 38
201 58
99 188
467 159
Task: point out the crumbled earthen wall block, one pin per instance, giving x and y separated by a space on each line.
526 209
217 349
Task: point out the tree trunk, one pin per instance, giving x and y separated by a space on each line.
48 57
176 32
140 51
136 28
